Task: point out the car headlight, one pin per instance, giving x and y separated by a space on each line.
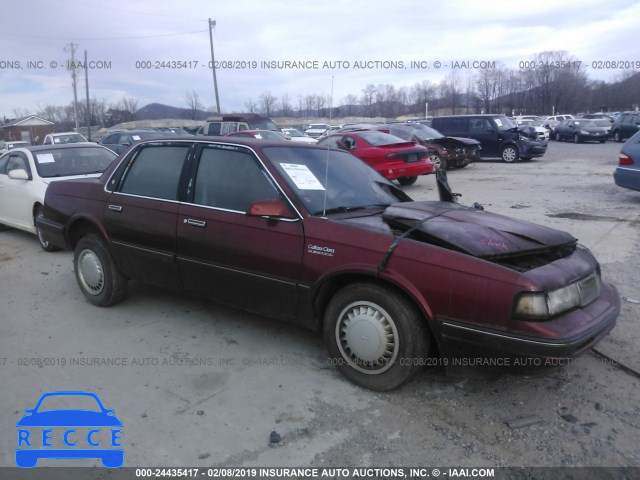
584 132
543 305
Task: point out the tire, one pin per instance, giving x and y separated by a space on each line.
576 138
438 161
375 336
617 137
44 243
98 277
558 138
407 180
510 154
3 227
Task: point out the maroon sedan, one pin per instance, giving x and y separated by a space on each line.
313 236
394 158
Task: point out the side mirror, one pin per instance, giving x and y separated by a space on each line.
126 144
19 174
270 208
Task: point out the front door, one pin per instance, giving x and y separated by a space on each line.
246 261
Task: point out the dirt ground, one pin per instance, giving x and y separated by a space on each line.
199 384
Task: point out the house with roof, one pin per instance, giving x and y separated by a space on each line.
31 128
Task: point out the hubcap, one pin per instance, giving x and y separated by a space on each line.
367 337
43 242
435 159
509 154
90 272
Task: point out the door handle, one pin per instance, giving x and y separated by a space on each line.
115 208
195 223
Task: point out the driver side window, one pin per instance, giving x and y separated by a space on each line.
231 180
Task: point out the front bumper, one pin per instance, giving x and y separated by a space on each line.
532 149
467 345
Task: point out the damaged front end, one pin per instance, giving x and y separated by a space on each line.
549 303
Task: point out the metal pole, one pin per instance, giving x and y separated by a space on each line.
72 47
213 64
86 84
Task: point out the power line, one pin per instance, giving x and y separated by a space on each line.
109 38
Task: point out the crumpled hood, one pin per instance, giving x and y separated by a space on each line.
476 232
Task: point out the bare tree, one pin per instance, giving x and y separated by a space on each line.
349 101
286 105
267 102
193 104
368 97
250 105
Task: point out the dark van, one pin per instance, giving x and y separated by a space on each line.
497 134
234 123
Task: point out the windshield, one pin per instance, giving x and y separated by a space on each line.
72 161
347 184
602 123
268 135
503 123
69 138
293 133
265 124
585 123
379 138
319 126
425 133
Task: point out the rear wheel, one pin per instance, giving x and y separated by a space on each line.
438 161
407 180
44 243
98 277
510 154
375 336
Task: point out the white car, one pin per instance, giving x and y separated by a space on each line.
64 137
26 172
297 136
555 120
316 130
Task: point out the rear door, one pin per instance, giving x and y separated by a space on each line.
247 261
140 215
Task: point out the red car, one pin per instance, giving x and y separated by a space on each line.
315 237
394 158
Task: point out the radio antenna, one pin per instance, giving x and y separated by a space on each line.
326 169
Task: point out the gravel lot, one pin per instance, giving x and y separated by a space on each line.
199 384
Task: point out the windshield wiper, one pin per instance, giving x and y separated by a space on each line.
344 209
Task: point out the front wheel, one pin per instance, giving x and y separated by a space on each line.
617 137
44 243
558 137
375 336
576 138
98 277
510 154
407 180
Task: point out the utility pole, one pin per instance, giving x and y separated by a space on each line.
213 64
86 84
72 47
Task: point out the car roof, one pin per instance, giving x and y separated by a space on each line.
38 148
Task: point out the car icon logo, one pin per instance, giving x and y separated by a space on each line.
69 433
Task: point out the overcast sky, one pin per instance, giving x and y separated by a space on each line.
121 33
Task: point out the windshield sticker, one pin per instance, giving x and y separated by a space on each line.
56 140
498 122
135 137
303 178
45 158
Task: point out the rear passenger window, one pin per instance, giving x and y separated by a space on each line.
231 180
156 172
